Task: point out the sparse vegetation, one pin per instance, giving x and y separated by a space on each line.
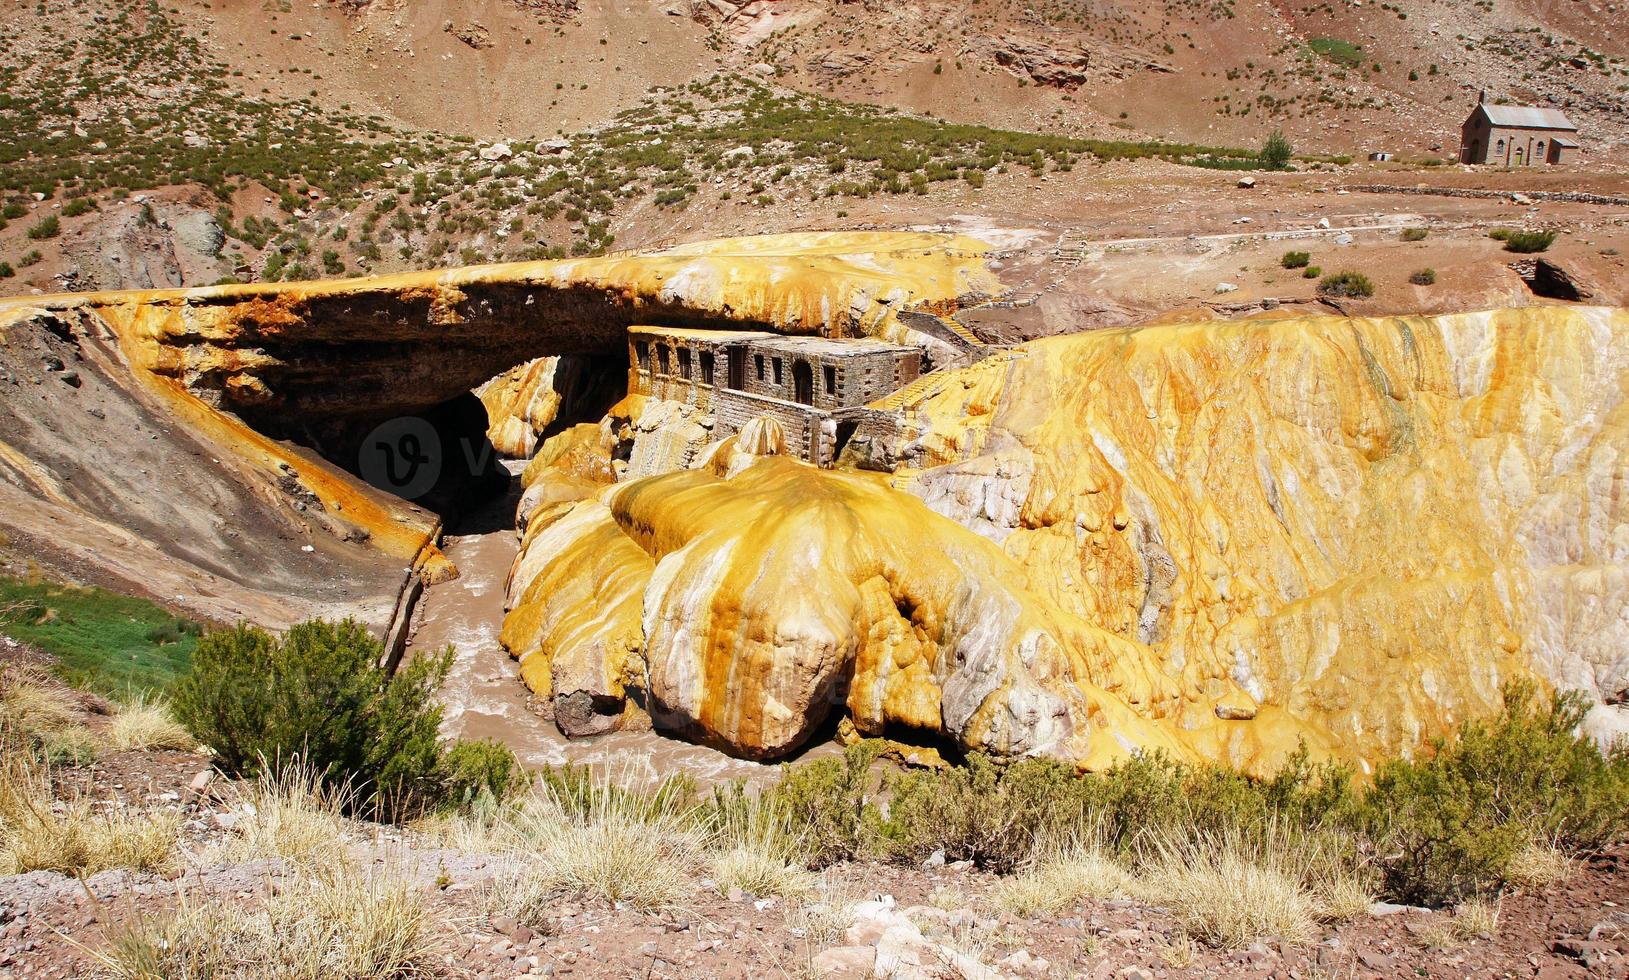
1295 260
47 227
1415 234
338 922
1527 241
1424 277
1355 285
76 836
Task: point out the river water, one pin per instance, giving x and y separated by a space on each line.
484 696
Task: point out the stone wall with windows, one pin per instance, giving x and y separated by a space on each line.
810 385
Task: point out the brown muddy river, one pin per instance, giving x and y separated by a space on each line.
485 698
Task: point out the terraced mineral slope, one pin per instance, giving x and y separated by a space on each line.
229 513
1221 538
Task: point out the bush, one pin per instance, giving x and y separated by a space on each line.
1415 234
319 694
1312 272
1352 284
77 207
471 769
1453 823
1295 260
6 271
1276 152
1424 277
826 800
47 227
1529 241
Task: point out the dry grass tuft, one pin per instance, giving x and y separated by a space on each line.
285 813
32 709
1538 866
337 924
526 895
1059 880
1228 891
1477 917
146 724
612 844
41 717
760 857
822 914
39 833
1178 954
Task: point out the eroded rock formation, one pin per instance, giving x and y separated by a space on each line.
1225 538
252 393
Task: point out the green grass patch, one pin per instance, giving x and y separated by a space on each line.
106 642
1344 53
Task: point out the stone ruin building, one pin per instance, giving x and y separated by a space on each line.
816 388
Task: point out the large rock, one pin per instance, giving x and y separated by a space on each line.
1219 538
749 606
207 454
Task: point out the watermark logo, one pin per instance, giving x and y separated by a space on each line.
402 456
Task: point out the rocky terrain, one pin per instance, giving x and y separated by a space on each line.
251 846
1197 611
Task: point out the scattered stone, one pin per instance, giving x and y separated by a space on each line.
1379 962
1387 908
1225 287
1247 182
844 962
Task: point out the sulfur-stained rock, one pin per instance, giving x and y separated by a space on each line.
1367 525
527 402
754 604
1221 538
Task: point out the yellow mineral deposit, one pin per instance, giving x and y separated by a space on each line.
1220 538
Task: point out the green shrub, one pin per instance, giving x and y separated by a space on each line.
1353 284
319 693
826 800
471 769
174 630
1529 241
1276 151
1312 272
1501 234
1449 824
6 271
77 207
13 210
47 227
1424 277
1415 234
1295 260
